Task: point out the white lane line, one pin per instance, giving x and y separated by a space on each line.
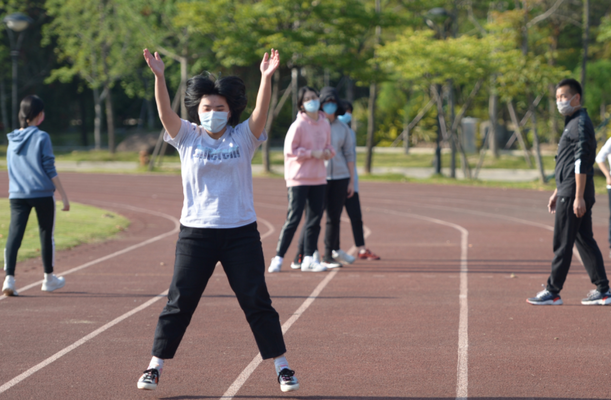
462 368
252 366
78 343
117 253
112 323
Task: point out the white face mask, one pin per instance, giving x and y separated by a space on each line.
565 107
213 121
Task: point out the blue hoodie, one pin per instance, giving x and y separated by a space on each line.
31 164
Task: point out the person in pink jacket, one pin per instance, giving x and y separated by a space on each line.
306 147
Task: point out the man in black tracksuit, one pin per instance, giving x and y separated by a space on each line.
572 202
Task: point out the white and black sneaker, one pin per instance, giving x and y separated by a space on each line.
149 379
309 265
287 380
545 298
597 298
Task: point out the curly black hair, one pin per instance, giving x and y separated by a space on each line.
231 88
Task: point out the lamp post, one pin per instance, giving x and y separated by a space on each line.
15 24
436 19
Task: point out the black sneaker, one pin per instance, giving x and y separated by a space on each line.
597 298
287 380
545 298
149 379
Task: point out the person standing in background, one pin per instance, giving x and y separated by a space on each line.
572 202
306 147
602 158
353 204
32 183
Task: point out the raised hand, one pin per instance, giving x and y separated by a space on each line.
270 63
154 62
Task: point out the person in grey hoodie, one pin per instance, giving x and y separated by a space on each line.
340 174
32 182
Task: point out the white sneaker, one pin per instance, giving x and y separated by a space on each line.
295 265
275 265
309 265
52 283
342 257
8 288
316 256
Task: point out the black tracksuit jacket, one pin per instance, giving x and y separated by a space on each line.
576 154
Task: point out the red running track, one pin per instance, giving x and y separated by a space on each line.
439 317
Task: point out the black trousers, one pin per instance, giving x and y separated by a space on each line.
197 252
20 213
609 194
353 208
310 198
568 231
334 205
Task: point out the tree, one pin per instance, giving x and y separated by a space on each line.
94 38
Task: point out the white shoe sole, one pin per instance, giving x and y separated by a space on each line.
547 303
331 265
295 266
9 292
313 270
147 386
599 302
287 388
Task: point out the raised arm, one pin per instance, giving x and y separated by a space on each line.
257 120
170 120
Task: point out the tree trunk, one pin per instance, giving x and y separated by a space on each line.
350 90
83 112
270 121
493 105
5 122
183 87
110 121
542 177
452 132
406 130
97 121
586 38
370 126
295 90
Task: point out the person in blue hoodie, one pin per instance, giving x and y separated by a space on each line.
32 182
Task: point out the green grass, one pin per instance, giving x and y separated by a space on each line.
82 224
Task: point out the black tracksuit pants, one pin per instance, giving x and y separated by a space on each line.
568 231
20 213
312 199
353 208
197 252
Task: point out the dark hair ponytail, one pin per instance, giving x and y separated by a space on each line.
29 109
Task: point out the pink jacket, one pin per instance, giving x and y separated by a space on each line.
305 135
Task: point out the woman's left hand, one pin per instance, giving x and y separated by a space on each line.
270 63
350 188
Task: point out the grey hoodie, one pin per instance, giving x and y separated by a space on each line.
345 151
31 164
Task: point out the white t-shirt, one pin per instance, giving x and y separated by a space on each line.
216 175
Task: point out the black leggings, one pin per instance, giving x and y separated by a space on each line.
240 253
20 212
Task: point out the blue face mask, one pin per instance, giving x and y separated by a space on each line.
346 118
213 121
312 105
329 108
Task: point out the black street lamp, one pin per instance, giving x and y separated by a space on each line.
15 24
437 18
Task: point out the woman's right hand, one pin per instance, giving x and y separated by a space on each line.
154 62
